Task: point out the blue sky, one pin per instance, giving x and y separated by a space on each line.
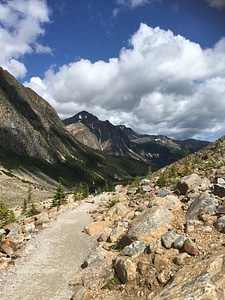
157 66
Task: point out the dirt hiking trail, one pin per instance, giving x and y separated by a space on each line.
53 257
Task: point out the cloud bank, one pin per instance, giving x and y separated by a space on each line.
21 23
161 84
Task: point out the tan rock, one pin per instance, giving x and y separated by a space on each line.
160 261
150 225
125 269
190 247
97 227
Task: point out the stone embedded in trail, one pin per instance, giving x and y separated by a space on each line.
150 225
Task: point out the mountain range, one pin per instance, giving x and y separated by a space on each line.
155 150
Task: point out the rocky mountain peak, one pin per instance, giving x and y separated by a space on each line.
82 117
156 150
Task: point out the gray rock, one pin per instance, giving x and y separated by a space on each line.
150 225
179 242
203 204
98 270
162 193
220 225
197 281
135 248
219 190
168 238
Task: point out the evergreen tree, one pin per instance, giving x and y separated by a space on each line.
7 216
33 210
59 196
29 208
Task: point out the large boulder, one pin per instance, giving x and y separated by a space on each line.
187 183
150 225
203 204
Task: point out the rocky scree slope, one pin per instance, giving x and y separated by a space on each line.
161 243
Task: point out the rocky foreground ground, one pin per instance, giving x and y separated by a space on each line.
154 242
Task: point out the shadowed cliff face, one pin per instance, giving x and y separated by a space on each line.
29 125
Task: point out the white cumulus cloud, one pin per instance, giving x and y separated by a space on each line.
21 23
161 84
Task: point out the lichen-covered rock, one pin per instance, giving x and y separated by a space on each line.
203 204
150 225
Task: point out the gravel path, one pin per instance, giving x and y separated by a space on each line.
55 255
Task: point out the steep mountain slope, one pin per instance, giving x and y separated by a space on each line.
33 137
163 239
156 150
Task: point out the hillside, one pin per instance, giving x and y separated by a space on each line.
163 238
156 150
34 141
